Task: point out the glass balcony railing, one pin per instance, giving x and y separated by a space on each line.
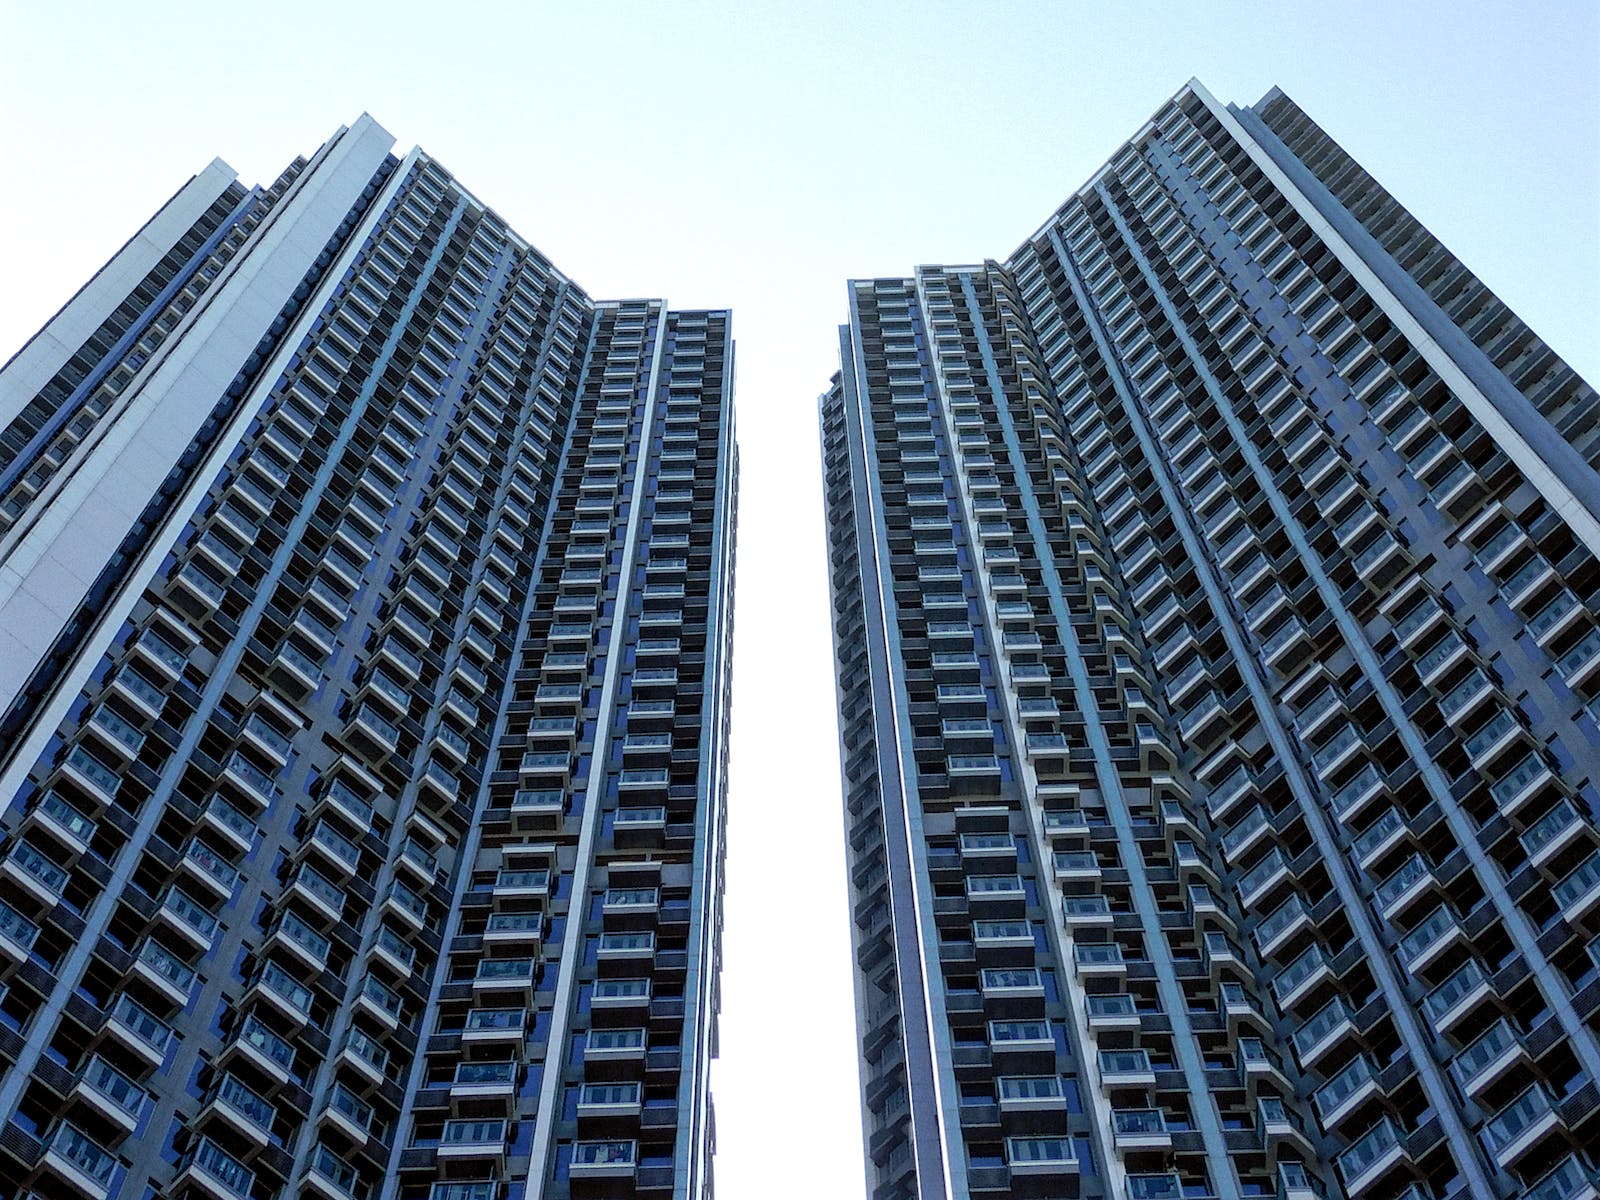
235 1093
1516 1119
1342 1086
338 1173
1484 1050
114 1086
83 1153
142 1023
255 1034
1512 786
1406 876
166 964
1366 1152
1577 885
1566 1181
1320 1026
1429 932
1453 990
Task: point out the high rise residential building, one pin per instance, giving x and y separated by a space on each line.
1217 627
365 615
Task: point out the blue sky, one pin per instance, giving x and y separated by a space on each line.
756 157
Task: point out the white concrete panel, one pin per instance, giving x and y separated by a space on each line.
92 510
48 350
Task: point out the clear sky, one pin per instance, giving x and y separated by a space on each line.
756 156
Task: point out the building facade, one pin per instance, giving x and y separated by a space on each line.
365 590
1217 631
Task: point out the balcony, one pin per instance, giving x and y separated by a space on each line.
1322 1031
192 922
626 946
991 892
988 845
610 1100
1432 935
1337 751
627 903
1099 960
393 952
205 866
1352 797
613 1045
535 810
330 1176
143 694
325 898
1140 1129
1371 1157
1378 838
1440 657
1167 1185
349 1114
478 1141
1580 662
365 1055
492 1025
1296 981
164 970
1221 800
244 1110
117 1098
527 884
1339 1097
1520 784
334 850
1259 881
1519 1126
1568 1180
1041 1156
294 666
97 781
1086 912
1491 738
1407 884
381 1002
340 797
404 904
39 876
520 930
17 933
1281 924
372 734
479 1082
1076 866
1245 834
282 992
77 1159
1558 828
497 976
422 863
1456 996
1487 1058
1577 892
139 1030
249 780
604 1160
116 733
1030 1093
1126 1068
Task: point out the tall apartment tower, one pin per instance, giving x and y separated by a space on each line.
1217 624
365 600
